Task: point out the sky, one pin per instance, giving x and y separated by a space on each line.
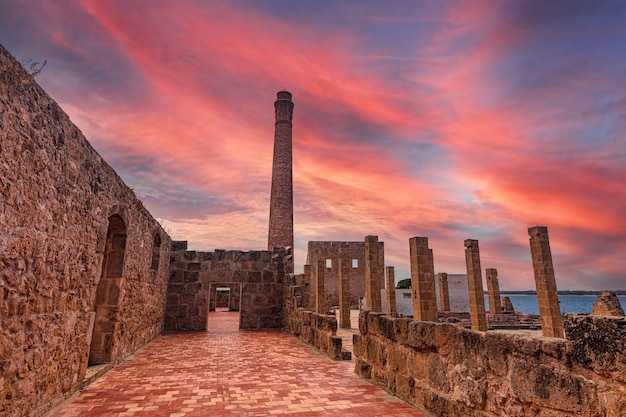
451 120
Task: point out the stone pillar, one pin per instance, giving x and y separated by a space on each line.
281 198
444 292
549 309
475 286
308 283
373 273
344 290
392 311
423 280
493 290
320 294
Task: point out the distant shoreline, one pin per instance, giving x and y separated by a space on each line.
565 292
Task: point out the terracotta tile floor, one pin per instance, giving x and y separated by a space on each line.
346 334
226 372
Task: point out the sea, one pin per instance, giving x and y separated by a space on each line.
527 304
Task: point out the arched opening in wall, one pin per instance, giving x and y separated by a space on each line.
224 306
108 294
156 253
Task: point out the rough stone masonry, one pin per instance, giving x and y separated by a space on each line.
86 276
83 265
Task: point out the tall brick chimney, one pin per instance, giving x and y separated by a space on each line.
281 200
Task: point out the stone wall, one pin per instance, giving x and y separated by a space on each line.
451 371
317 330
81 259
324 251
262 276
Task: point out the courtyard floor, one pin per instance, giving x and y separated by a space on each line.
228 372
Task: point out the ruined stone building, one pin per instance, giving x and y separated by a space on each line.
329 253
85 275
88 277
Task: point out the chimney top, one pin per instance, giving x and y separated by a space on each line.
283 95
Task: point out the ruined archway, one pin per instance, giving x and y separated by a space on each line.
109 293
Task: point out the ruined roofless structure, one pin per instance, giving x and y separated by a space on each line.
281 199
88 277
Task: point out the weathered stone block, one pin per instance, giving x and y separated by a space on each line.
191 276
445 338
397 357
401 329
358 345
363 322
421 335
598 343
363 368
437 373
548 386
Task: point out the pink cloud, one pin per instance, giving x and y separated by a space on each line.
203 120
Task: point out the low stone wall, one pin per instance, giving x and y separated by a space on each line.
262 276
317 330
451 371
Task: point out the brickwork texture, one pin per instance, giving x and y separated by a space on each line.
281 198
83 265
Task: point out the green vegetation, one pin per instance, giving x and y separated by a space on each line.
403 284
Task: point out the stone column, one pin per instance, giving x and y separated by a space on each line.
320 294
281 198
444 292
493 290
308 281
475 286
549 309
373 274
392 311
344 290
423 280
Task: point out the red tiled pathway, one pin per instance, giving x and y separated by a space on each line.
226 372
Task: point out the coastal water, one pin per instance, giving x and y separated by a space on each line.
569 303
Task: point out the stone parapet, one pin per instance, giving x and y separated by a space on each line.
598 346
455 372
317 330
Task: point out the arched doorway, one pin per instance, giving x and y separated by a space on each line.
109 293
